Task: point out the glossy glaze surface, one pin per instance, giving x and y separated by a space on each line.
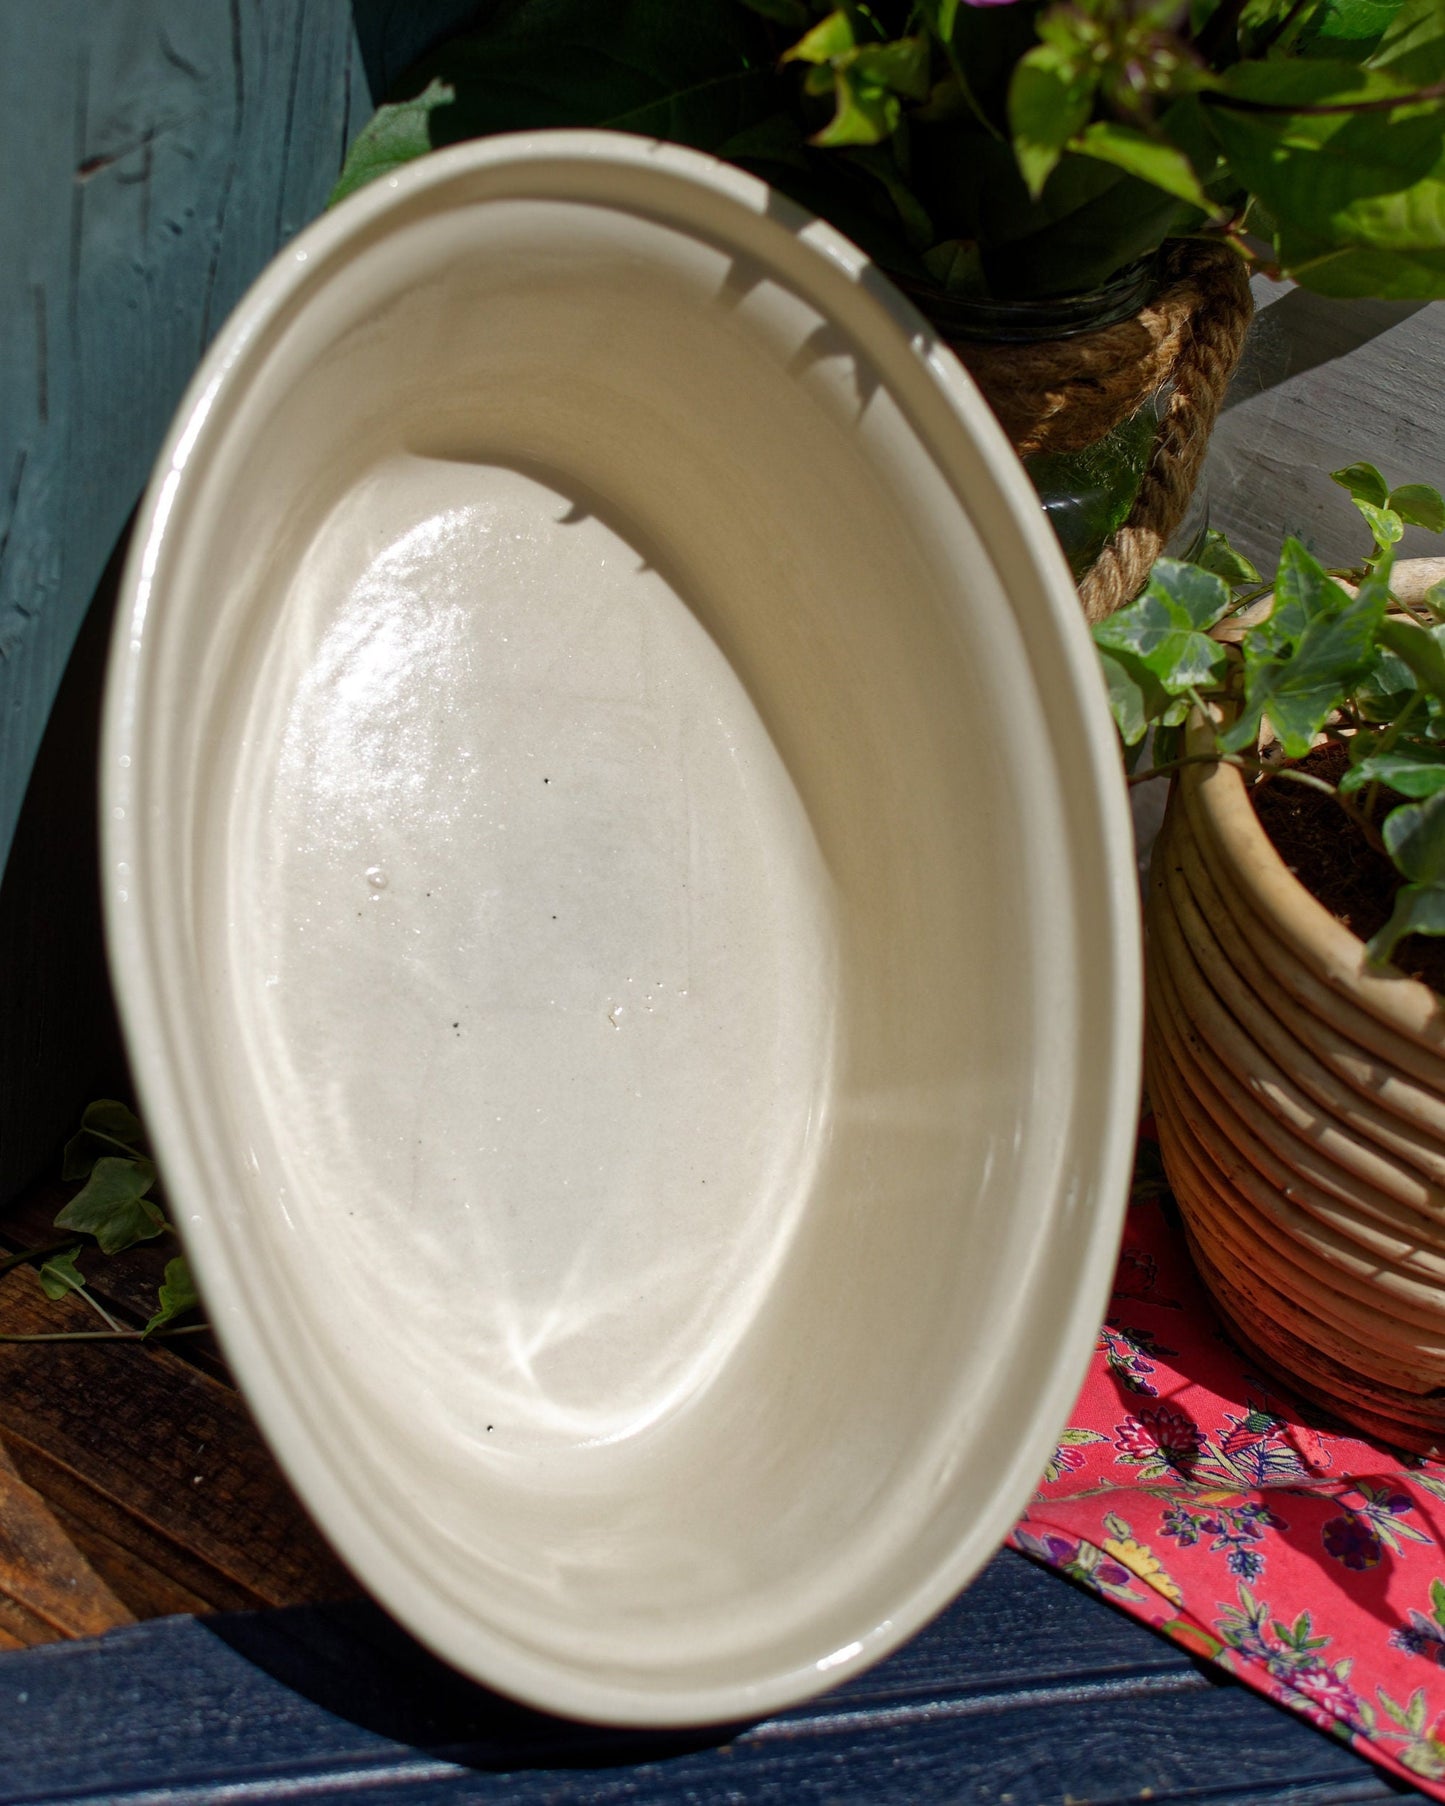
651 1125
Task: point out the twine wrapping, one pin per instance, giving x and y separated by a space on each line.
1060 395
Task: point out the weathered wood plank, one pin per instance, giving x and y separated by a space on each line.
313 1704
1324 383
154 1453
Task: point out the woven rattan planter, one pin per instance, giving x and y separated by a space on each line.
1300 1099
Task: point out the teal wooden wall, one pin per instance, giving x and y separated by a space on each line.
156 154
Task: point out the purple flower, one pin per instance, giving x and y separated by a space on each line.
1349 1539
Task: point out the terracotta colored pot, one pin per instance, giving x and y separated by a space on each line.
1300 1098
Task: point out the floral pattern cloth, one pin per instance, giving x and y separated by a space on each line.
1196 1493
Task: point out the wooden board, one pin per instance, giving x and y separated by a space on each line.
1027 1691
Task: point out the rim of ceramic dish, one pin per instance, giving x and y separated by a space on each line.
645 178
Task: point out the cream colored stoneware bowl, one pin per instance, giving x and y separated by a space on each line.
621 896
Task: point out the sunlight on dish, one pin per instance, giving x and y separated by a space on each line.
518 800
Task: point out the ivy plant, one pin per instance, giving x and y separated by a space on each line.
116 1208
1311 656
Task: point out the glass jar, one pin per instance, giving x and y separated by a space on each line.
1086 494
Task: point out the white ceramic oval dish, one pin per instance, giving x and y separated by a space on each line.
621 898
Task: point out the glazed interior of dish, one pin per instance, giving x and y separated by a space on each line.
587 745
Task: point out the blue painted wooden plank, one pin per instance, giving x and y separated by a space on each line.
1026 1691
157 154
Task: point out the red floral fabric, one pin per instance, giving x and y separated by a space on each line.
1202 1498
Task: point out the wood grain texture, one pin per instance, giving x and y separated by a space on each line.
158 152
1322 384
1025 1691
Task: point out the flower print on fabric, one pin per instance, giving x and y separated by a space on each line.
1081 1561
1293 1656
1235 1531
1126 1353
1424 1636
1192 1492
1138 1558
1416 1742
1068 1457
1373 1521
1161 1441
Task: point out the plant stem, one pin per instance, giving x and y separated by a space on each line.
11 1261
108 1335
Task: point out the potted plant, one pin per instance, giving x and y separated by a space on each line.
1295 1042
1073 190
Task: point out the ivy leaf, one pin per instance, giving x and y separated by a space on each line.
1384 523
176 1296
1414 837
1364 483
107 1127
1419 504
1219 556
1129 696
113 1206
1050 97
1414 768
1419 650
1301 663
1166 627
1161 165
59 1276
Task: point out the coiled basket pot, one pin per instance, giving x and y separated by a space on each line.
1300 1098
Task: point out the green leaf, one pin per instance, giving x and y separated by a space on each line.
901 66
1414 768
1437 1602
1219 556
1129 695
1415 839
1302 662
1414 836
695 74
830 38
1164 628
1419 504
1384 523
940 16
176 1296
59 1276
1356 184
1364 483
1413 44
1420 650
107 1127
863 113
113 1206
396 134
1161 165
1050 98
1348 28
